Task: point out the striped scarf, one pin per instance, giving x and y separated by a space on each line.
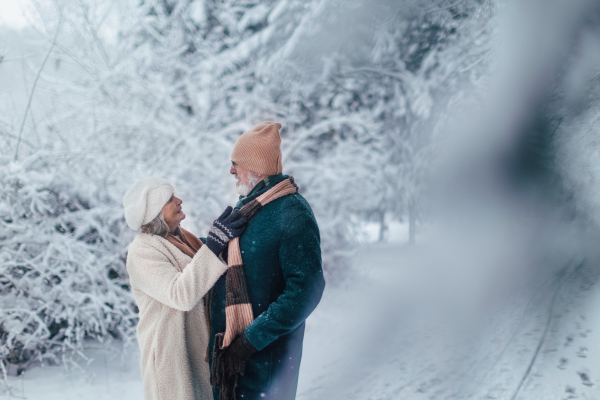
238 309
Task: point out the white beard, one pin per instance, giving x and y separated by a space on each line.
244 190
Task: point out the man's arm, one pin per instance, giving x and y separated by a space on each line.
300 259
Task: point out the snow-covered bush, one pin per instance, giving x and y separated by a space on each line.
62 276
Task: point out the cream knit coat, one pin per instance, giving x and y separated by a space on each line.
168 287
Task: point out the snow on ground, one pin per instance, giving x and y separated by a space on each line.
537 344
112 373
375 337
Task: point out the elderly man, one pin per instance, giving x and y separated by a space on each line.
273 282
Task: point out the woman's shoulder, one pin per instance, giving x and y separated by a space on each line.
154 247
145 243
144 240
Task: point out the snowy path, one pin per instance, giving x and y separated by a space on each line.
374 338
544 345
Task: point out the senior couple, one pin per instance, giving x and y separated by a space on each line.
223 316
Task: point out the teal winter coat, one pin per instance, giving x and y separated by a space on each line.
282 261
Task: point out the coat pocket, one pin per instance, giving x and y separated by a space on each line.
258 371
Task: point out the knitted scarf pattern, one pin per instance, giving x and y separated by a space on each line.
238 309
185 241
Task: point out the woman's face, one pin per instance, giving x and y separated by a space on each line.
172 212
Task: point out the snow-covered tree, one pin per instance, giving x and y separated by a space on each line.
165 87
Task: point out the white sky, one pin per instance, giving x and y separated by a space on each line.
11 13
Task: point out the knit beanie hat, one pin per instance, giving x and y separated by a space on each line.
144 200
259 149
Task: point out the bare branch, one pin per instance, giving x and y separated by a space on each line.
33 87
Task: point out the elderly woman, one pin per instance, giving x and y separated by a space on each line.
170 271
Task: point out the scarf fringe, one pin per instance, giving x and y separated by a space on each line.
220 377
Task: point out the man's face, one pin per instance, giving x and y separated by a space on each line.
246 179
241 174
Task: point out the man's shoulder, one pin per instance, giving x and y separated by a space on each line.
292 210
295 204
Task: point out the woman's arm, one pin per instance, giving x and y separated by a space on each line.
151 272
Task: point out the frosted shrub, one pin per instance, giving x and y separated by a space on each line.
62 272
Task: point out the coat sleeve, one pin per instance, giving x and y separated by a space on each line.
300 260
151 272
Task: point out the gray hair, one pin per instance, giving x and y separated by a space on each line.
253 179
157 226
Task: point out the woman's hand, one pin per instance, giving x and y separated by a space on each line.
228 226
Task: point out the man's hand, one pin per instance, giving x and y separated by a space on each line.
229 363
237 354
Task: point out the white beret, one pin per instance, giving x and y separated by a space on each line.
144 200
